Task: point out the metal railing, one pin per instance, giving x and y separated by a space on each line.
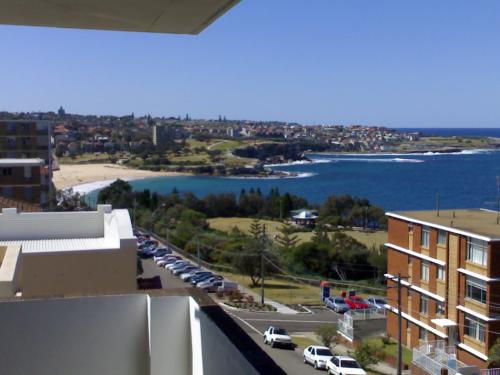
491 371
345 327
363 314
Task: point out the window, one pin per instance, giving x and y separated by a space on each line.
474 328
424 305
475 289
440 308
477 251
422 334
424 271
6 171
410 228
441 273
442 237
424 239
7 191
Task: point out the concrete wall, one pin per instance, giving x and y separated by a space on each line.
134 334
10 265
81 336
78 272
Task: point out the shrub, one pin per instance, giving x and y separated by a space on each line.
369 353
327 333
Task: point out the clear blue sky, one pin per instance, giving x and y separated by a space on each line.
424 63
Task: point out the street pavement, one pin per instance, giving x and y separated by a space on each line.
255 323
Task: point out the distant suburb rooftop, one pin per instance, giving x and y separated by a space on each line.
478 223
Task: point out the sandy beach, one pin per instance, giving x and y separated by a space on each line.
70 175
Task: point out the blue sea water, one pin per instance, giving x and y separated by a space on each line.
396 182
459 132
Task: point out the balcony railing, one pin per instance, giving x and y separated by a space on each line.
435 356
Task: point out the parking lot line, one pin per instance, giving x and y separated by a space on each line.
245 322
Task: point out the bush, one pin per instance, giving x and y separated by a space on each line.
327 333
369 353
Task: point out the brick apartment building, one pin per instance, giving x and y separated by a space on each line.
24 180
23 144
450 275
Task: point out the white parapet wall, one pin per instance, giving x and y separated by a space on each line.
132 334
10 269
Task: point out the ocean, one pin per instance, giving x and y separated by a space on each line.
395 182
458 132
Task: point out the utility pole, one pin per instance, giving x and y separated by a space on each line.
198 248
400 328
262 277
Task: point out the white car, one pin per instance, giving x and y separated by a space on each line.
193 272
317 356
175 264
277 337
343 365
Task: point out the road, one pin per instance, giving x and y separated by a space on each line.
255 323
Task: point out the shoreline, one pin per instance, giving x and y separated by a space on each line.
75 175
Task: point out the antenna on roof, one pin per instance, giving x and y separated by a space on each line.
437 204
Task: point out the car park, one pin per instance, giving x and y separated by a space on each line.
160 253
317 356
344 365
227 286
375 302
276 336
356 303
210 279
337 304
180 266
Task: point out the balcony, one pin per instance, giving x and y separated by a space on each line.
434 356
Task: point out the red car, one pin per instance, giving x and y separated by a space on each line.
356 302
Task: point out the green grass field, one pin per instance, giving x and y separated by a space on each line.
225 224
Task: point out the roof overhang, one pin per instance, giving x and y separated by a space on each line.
156 16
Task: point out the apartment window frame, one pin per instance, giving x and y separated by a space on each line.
442 237
424 305
422 334
476 289
477 251
441 273
7 171
474 328
424 270
425 236
440 308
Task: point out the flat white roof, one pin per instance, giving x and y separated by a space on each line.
20 162
39 232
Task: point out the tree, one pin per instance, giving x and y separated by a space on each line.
369 353
494 354
256 229
286 239
247 261
67 200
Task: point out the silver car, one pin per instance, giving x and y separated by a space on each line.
376 302
337 304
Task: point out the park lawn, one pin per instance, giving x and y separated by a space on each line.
282 291
391 349
225 224
226 145
86 157
196 158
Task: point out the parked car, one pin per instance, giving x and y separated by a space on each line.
168 260
176 263
187 277
148 243
160 253
201 277
317 356
376 302
343 365
337 304
228 286
180 266
181 270
277 337
210 286
210 279
356 302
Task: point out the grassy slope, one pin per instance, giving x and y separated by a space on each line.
225 224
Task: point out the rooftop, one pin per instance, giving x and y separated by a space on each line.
65 231
178 17
21 162
479 223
